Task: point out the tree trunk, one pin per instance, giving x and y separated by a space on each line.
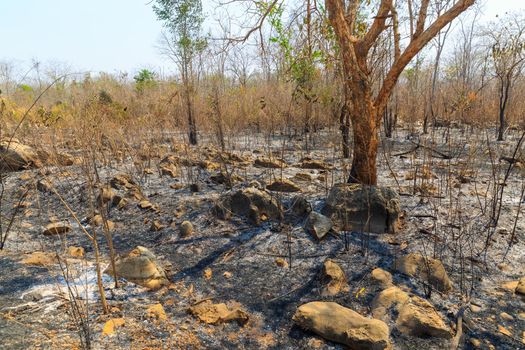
501 129
364 108
192 134
364 125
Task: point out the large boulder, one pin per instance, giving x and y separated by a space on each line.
342 325
419 318
363 208
16 156
388 298
427 269
140 266
251 203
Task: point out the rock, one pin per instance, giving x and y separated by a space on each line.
314 164
227 180
145 204
342 325
76 252
156 225
475 308
390 297
300 206
510 285
506 316
210 313
44 186
15 156
186 229
168 170
318 225
281 262
427 269
156 311
303 177
381 277
120 202
283 186
504 331
335 278
520 288
251 203
123 182
140 266
270 163
227 274
98 220
475 343
56 228
40 259
417 317
106 195
111 325
177 186
208 165
363 208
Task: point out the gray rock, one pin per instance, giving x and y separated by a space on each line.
300 206
363 208
318 225
250 203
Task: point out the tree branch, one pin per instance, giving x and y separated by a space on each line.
378 26
415 46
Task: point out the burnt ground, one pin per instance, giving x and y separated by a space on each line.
447 212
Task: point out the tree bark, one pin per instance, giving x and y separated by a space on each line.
365 135
192 127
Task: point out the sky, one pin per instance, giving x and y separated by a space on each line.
103 35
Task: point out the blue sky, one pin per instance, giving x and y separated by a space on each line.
100 35
94 35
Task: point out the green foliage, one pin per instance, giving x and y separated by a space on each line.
25 88
300 61
183 19
144 79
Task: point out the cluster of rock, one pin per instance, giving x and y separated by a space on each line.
410 314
